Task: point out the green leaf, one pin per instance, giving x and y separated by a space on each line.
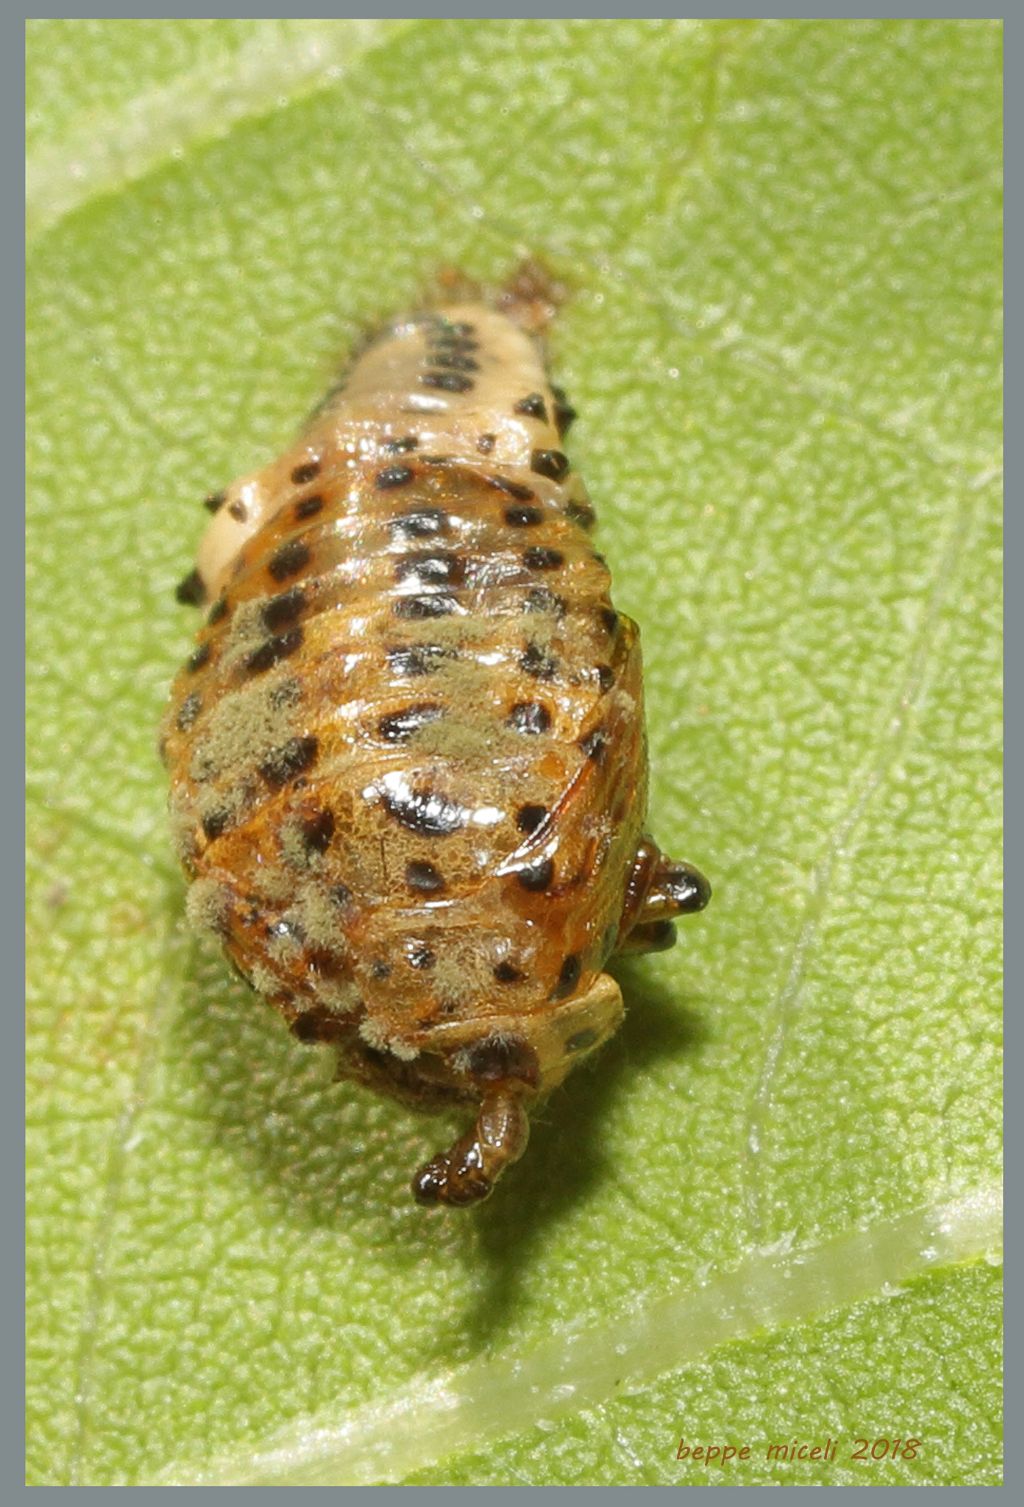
765 1211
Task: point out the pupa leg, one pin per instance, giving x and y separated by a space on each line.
466 1173
659 890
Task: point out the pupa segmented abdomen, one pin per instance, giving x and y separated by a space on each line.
407 753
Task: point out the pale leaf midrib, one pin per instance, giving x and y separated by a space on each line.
436 1418
106 149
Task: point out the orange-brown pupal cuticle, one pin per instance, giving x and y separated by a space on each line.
407 754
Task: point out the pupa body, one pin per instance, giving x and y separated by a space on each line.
407 755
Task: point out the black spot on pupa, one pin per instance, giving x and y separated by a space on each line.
454 361
317 831
543 599
291 759
569 976
550 463
498 1058
512 489
401 446
446 381
529 717
214 501
420 956
536 876
418 659
238 510
523 517
216 823
434 605
188 711
565 413
425 812
533 407
306 472
278 611
308 507
288 560
609 619
198 657
424 523
485 443
431 567
400 726
218 611
393 476
580 1040
605 677
380 969
340 895
581 513
594 743
306 1027
507 973
529 818
285 693
541 558
190 589
538 664
273 650
423 878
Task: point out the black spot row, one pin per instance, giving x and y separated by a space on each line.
536 662
308 507
425 812
423 523
291 759
399 727
540 558
568 977
550 463
564 411
523 517
532 406
536 876
273 650
393 476
419 607
188 711
418 659
284 608
431 568
446 381
190 590
289 559
317 831
529 717
424 878
531 818
306 472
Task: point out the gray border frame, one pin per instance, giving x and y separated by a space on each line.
12 606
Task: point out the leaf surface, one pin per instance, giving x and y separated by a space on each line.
784 344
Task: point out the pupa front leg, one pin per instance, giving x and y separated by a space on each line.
467 1171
